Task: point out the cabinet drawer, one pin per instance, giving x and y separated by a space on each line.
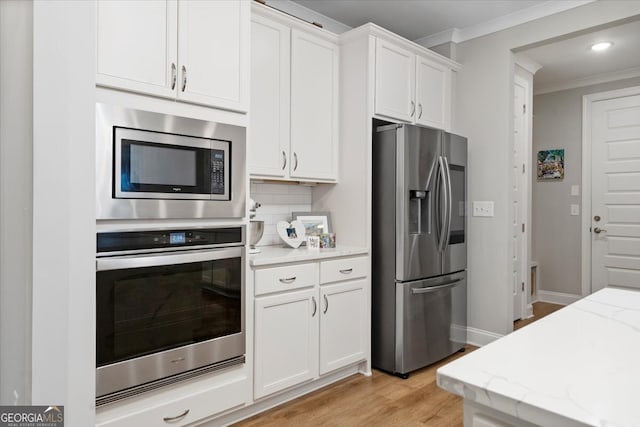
343 269
285 278
184 410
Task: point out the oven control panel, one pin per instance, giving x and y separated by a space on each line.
121 241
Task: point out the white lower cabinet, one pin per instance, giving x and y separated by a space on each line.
342 324
196 400
310 319
286 341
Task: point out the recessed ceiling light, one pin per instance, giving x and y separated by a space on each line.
601 46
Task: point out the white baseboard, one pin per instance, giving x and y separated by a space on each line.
557 297
479 337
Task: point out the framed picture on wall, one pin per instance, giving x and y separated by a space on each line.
550 165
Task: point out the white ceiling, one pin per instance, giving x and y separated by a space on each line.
567 63
414 19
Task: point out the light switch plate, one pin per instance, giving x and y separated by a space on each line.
482 208
575 190
575 210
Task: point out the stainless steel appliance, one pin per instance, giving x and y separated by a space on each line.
152 165
169 305
419 250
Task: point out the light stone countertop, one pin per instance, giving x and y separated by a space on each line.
578 366
270 255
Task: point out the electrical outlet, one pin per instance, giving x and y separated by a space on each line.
482 208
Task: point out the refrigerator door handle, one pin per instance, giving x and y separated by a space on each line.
449 206
443 212
428 289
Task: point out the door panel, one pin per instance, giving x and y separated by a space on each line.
418 202
395 82
454 257
431 320
615 199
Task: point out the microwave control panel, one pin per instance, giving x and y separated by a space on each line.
217 172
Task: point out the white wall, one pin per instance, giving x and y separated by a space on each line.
556 234
63 356
483 113
16 144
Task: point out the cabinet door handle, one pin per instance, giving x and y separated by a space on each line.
315 306
413 109
176 418
284 160
420 109
326 304
184 78
295 159
346 271
288 280
599 230
174 75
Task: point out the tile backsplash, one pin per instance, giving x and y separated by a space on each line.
278 201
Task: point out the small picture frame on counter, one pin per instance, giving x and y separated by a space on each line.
313 243
328 240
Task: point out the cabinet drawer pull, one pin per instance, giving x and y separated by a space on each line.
288 280
176 418
420 109
284 160
346 271
174 75
295 158
315 306
184 78
413 109
326 304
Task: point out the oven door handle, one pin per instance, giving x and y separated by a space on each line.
154 260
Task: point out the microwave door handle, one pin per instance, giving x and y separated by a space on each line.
449 204
155 260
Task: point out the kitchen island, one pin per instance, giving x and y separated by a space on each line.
576 367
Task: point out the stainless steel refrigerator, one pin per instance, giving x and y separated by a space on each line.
419 250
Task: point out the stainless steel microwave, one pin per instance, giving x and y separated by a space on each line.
152 165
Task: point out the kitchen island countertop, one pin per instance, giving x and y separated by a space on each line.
576 367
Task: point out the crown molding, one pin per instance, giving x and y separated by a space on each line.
527 63
628 73
459 35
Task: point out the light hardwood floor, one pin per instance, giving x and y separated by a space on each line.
379 400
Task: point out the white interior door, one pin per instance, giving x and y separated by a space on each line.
615 192
518 216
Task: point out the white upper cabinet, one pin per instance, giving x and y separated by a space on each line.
294 99
395 81
433 94
137 45
410 87
270 98
194 51
314 107
211 52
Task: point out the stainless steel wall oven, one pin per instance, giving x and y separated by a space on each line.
169 306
